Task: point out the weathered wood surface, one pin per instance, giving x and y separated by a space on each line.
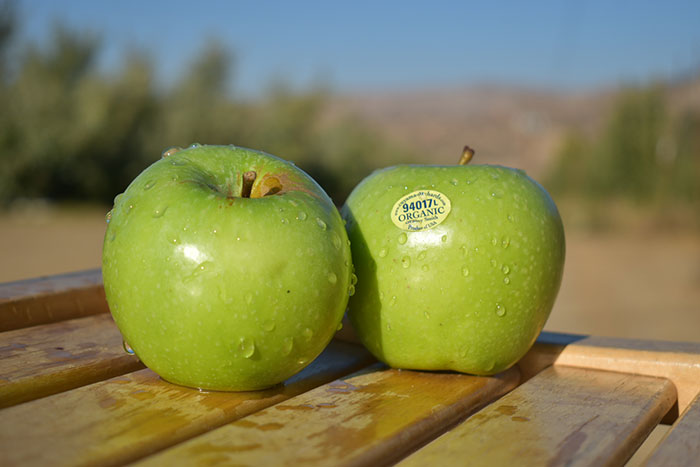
50 299
372 418
128 417
681 446
562 416
51 358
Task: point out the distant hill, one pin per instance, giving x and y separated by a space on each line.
505 125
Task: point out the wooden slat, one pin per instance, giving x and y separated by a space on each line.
681 446
125 418
677 361
368 419
562 416
49 299
47 359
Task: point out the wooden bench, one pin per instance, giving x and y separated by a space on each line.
70 395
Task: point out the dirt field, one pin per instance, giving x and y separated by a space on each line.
619 284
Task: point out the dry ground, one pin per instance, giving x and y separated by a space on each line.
629 284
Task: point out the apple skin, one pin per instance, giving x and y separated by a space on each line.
470 294
215 291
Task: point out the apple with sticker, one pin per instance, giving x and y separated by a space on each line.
458 266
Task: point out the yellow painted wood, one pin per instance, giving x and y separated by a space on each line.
368 419
49 299
676 361
562 416
125 418
681 446
47 359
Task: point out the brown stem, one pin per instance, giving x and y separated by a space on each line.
247 186
467 154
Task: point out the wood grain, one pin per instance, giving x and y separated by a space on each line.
562 416
51 358
681 446
125 418
49 299
372 418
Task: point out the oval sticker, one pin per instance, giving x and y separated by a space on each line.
420 210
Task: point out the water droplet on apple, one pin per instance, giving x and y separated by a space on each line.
108 216
178 162
170 151
130 208
158 212
285 220
454 182
268 325
497 193
321 224
425 268
195 145
494 241
500 310
332 278
301 216
247 347
422 255
505 269
465 271
393 300
465 250
382 253
505 242
149 185
302 361
308 334
403 238
287 345
175 240
426 314
336 241
127 348
351 290
506 280
510 218
353 279
117 198
443 239
339 327
406 262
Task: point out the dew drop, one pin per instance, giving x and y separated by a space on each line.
426 314
170 151
454 182
177 162
149 184
321 224
505 269
406 262
393 300
332 278
497 193
382 253
301 216
127 348
195 145
500 310
425 268
339 327
505 242
336 241
465 271
247 347
294 203
308 334
494 241
506 280
351 290
422 255
403 238
269 325
158 212
353 279
287 345
108 216
443 239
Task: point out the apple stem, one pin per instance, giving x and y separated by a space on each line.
467 154
247 186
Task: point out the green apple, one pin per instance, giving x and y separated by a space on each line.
226 268
458 266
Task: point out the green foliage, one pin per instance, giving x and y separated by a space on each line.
68 132
645 155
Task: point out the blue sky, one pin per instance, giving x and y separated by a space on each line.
360 45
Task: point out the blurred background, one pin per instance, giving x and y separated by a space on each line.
599 101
